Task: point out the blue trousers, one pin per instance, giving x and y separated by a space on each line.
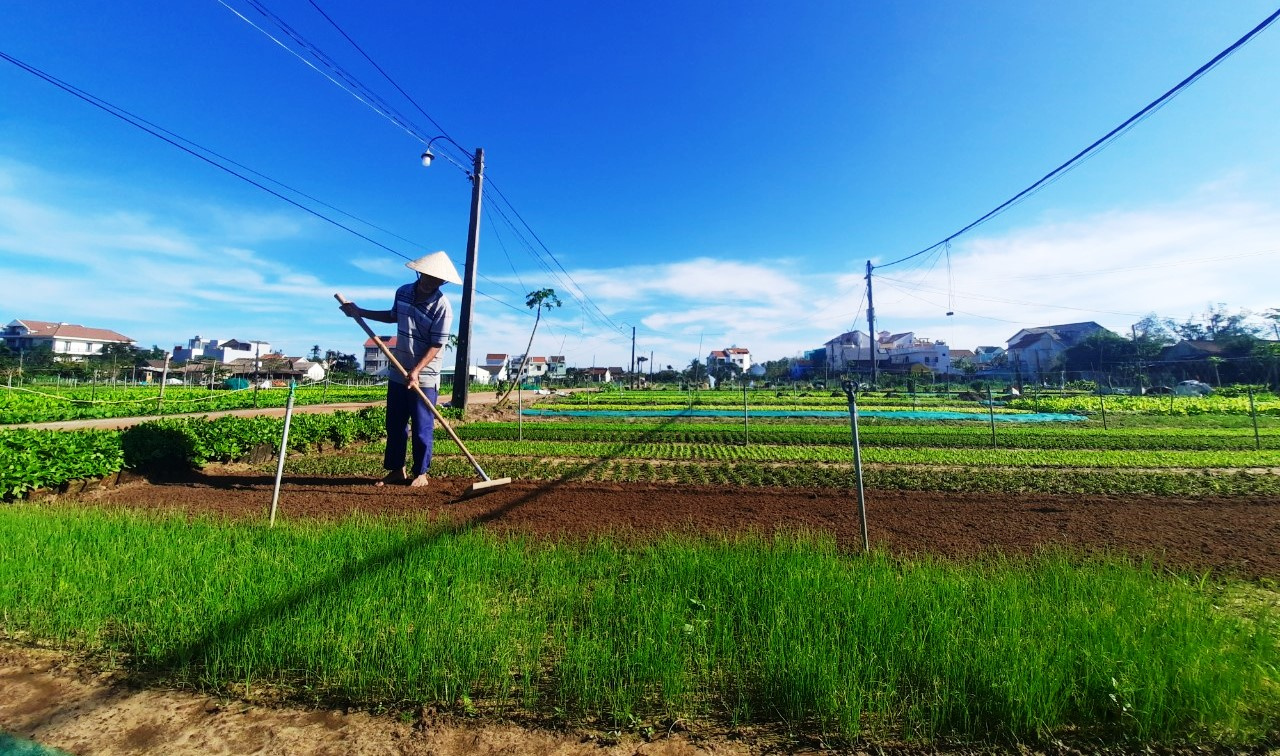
405 409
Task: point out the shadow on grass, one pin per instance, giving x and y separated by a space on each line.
191 656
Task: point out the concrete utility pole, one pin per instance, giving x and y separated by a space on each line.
462 357
871 324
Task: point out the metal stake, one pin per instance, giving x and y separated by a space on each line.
849 391
284 450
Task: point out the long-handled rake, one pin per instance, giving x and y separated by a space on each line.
475 487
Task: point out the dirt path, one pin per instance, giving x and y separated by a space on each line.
45 696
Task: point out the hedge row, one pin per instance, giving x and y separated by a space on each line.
33 459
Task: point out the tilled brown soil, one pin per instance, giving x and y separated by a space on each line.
1234 535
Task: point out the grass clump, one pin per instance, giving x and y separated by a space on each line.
781 630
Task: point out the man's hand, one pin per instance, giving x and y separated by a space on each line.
350 309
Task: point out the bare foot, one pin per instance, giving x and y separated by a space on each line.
394 477
420 481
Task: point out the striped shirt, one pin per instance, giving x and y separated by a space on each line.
420 325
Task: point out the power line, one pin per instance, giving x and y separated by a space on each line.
373 101
164 135
1106 138
385 75
139 123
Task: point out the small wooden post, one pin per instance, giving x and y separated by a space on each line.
1253 412
1102 403
746 418
991 414
164 381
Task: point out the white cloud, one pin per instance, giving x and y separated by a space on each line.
164 278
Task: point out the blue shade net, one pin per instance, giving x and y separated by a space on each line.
926 415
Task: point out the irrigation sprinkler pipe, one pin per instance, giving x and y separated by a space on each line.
284 450
421 395
849 391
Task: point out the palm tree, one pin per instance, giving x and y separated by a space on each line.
536 301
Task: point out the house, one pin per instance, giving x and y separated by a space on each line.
985 355
496 366
557 369
69 340
1192 350
736 356
477 373
960 358
1037 350
536 368
375 362
849 351
599 375
273 366
907 353
224 351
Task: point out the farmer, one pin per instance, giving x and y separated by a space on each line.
422 315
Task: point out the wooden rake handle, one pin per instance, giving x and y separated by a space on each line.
400 368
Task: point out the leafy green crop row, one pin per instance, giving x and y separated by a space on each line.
749 474
34 458
874 434
31 459
27 407
1153 405
899 456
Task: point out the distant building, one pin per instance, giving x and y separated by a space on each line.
557 369
477 373
496 366
375 362
536 368
69 340
1035 351
225 351
985 355
904 351
736 356
848 351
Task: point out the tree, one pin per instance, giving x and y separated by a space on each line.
1153 329
542 299
1214 324
696 372
315 353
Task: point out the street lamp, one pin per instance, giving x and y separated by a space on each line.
462 353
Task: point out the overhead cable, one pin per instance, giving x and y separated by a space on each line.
1105 139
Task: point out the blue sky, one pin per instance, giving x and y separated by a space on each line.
711 174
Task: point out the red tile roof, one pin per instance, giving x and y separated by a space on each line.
72 331
390 341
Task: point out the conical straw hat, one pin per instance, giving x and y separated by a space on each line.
436 264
